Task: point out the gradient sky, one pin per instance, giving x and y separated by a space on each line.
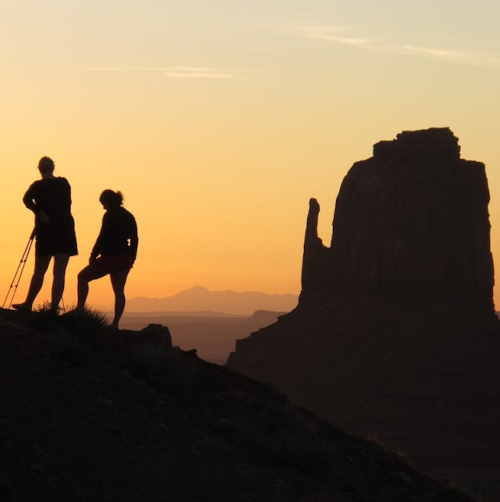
219 119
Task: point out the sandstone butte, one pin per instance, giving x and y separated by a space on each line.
395 333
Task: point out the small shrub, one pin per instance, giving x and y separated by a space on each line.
89 325
44 318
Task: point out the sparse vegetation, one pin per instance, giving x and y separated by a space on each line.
87 324
80 321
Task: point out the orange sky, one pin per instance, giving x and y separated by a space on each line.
219 120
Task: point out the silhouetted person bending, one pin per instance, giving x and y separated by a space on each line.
114 252
50 200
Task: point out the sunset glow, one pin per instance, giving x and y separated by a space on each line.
219 120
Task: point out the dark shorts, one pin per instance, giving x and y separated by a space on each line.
56 239
114 263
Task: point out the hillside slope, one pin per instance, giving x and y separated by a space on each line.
92 415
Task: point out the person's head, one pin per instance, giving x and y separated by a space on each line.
46 166
110 199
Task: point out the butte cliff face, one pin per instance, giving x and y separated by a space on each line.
411 222
395 323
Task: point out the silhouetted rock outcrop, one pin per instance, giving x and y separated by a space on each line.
155 334
410 222
395 328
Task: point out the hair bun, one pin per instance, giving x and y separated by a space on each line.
112 198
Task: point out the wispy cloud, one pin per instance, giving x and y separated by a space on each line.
342 36
189 72
184 72
333 34
436 53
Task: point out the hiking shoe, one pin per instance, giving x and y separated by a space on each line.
21 307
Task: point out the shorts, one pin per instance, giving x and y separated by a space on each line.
114 263
56 239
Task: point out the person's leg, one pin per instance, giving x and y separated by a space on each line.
118 280
60 264
41 265
89 273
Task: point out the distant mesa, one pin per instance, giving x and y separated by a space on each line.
395 327
200 299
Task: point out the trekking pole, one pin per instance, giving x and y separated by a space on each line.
19 271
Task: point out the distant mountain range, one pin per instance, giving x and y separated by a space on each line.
200 299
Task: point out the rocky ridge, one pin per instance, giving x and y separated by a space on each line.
89 414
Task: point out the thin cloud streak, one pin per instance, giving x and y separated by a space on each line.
437 53
330 34
184 72
205 73
336 35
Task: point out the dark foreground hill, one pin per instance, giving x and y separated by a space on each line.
89 415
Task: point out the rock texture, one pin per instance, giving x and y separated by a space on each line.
410 222
395 331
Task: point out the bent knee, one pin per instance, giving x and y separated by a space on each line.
82 276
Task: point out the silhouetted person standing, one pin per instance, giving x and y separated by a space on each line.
50 200
114 252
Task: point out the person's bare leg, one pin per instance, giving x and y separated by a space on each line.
89 273
60 264
41 265
118 280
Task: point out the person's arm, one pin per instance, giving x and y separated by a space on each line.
30 197
67 194
29 200
96 250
